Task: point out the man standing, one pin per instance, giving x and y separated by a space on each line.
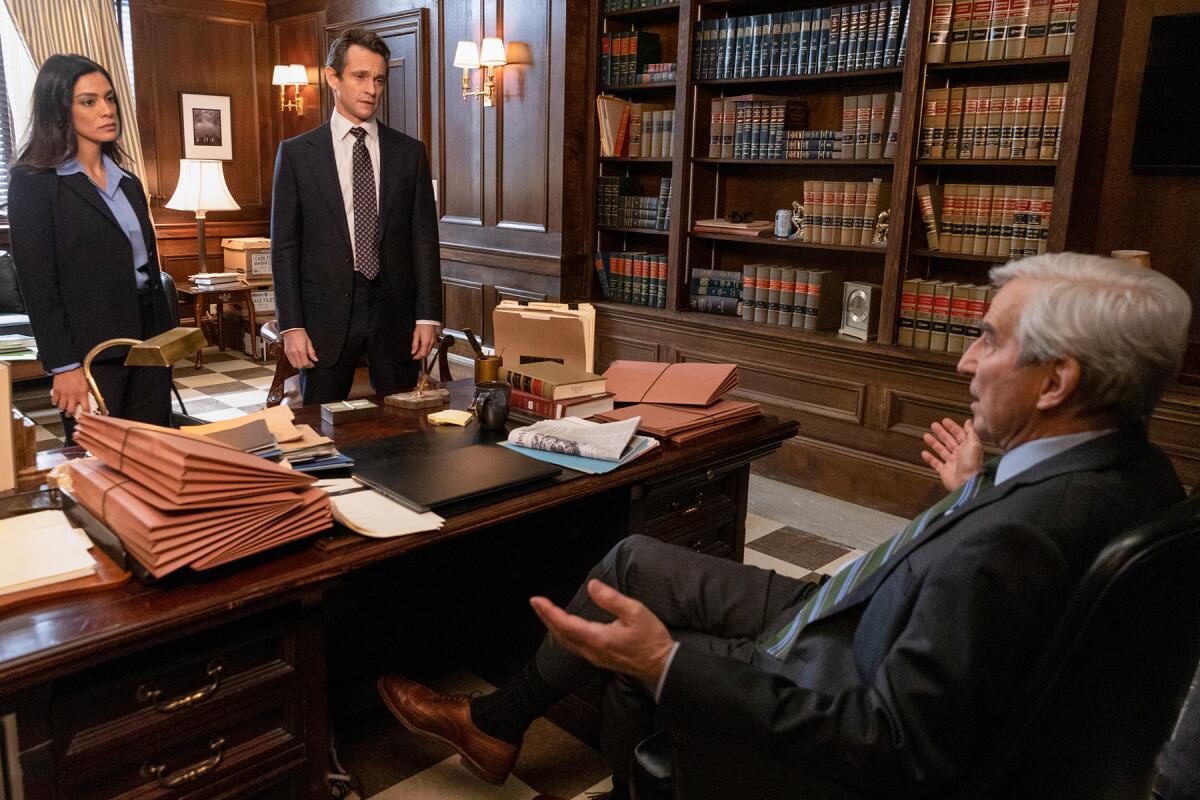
354 237
888 679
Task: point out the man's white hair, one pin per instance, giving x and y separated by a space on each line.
1126 325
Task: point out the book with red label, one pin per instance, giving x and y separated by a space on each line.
582 406
552 380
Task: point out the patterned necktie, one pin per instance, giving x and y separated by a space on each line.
366 212
839 586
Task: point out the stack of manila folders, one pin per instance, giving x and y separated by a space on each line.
181 501
679 401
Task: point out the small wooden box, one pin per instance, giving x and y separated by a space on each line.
348 411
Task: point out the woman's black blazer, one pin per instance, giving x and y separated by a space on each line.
74 262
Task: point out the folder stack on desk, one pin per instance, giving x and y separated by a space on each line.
177 501
680 401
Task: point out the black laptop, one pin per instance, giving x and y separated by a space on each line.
426 478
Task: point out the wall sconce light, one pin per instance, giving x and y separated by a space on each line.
294 75
490 55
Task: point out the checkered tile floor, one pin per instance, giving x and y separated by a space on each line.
225 385
792 531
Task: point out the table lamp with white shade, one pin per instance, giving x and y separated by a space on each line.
201 189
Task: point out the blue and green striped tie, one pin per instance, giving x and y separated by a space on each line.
852 576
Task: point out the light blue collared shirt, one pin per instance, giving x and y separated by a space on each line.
122 209
1030 454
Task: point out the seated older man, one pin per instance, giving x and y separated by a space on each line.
888 679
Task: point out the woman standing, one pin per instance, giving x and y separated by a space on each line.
83 245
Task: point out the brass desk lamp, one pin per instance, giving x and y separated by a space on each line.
162 350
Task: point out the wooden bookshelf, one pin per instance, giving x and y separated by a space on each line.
862 405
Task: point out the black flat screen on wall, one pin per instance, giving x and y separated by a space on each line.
1167 138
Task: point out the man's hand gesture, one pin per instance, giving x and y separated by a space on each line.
636 643
957 452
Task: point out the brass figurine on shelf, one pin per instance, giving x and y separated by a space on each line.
881 227
797 221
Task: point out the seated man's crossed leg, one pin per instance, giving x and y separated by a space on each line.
733 603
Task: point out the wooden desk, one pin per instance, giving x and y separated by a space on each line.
241 650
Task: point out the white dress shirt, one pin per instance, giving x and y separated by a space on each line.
343 155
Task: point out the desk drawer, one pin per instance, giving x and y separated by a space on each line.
222 758
706 502
711 539
170 686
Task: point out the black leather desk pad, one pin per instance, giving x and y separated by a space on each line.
440 469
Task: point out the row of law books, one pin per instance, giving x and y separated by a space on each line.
754 125
811 41
1005 221
810 299
618 204
632 277
634 130
870 125
1021 121
624 56
844 212
942 316
970 30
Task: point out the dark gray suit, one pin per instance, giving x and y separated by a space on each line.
313 261
895 692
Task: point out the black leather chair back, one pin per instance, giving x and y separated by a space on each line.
168 285
1104 698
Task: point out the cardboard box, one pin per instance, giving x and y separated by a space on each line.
250 255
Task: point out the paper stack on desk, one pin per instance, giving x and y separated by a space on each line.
42 548
683 423
176 500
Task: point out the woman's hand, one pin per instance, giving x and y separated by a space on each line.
70 391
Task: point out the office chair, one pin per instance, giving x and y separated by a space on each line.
1093 714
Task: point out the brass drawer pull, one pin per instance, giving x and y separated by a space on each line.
186 774
147 693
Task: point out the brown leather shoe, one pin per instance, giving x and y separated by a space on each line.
448 718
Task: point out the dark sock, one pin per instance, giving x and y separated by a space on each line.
619 790
506 714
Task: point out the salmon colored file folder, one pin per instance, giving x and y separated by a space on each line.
689 384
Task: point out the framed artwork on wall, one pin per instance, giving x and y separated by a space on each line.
207 126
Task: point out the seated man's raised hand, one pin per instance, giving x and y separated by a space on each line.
957 453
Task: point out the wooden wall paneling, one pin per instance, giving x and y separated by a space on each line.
462 143
524 118
216 47
462 304
612 347
299 40
573 84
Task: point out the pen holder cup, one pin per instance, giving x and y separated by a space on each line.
487 369
491 403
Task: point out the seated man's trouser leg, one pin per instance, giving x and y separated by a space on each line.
708 602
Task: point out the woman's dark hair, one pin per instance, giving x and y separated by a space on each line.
359 36
52 140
